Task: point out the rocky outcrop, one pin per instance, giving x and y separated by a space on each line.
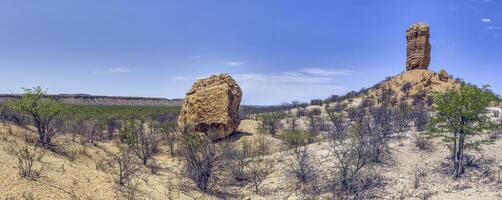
211 107
443 76
418 48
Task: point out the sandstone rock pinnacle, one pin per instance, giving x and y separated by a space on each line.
211 107
418 48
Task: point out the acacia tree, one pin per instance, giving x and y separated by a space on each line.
460 115
43 111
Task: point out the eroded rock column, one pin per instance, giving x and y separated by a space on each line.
418 48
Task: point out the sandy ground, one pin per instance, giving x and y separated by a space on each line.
80 178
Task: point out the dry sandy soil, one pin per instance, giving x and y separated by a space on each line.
80 176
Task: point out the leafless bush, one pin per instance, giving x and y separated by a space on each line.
382 117
92 130
27 156
201 160
237 159
170 133
259 169
421 141
402 117
304 173
111 125
316 121
352 160
261 146
291 121
420 118
124 166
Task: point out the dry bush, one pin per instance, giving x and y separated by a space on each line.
304 173
237 159
402 117
352 160
27 156
337 129
93 131
315 121
201 160
291 121
421 142
124 166
303 168
259 169
420 118
170 134
259 166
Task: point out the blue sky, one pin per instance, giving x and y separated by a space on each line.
277 51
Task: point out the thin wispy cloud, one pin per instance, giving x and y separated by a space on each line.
120 70
234 63
284 77
326 72
486 20
493 28
306 75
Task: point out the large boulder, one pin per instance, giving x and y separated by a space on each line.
211 107
418 48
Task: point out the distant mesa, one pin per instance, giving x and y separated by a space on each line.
211 107
418 47
86 99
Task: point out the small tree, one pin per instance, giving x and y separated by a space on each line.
43 111
460 116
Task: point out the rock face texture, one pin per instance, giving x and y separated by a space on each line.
211 107
443 76
418 48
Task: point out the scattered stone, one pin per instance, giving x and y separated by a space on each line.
443 76
418 49
211 107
